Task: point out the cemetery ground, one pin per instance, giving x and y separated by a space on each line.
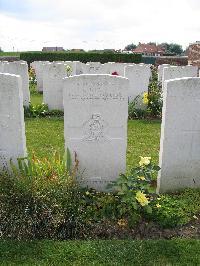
105 252
162 240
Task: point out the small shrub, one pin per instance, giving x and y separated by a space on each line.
40 110
32 76
134 112
136 191
152 100
36 110
155 96
41 199
176 210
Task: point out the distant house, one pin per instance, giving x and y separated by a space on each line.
52 49
149 50
76 50
194 54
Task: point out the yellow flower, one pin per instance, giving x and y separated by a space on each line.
144 161
141 198
87 193
145 101
122 222
158 205
141 178
145 98
145 94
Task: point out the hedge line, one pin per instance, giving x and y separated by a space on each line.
82 57
149 60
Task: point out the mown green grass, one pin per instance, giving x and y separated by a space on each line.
36 98
45 135
161 252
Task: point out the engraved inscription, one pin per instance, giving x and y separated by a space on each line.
96 94
94 128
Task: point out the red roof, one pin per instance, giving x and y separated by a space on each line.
148 48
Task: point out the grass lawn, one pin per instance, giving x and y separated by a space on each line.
162 252
45 135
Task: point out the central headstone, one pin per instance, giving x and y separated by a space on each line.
96 112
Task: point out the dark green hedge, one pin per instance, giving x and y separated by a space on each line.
149 60
83 57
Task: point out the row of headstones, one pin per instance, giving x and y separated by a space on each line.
50 75
49 78
167 72
95 121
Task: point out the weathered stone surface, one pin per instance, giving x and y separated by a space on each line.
53 85
160 71
39 67
139 76
116 68
174 72
21 69
96 112
12 129
180 135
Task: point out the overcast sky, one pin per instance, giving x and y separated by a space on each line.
96 24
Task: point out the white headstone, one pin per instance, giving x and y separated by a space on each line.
139 76
53 85
95 118
95 68
116 68
39 67
21 69
174 72
79 67
12 129
180 135
160 71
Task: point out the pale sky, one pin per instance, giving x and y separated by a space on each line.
96 24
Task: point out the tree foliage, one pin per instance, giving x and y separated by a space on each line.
130 47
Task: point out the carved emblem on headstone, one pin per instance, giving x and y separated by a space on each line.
94 128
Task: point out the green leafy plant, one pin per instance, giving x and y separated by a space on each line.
68 70
40 110
134 112
154 97
36 110
41 199
136 191
32 76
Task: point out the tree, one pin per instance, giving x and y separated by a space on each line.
130 47
151 43
175 48
172 48
165 46
1 50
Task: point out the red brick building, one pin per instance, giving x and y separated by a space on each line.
149 49
194 54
